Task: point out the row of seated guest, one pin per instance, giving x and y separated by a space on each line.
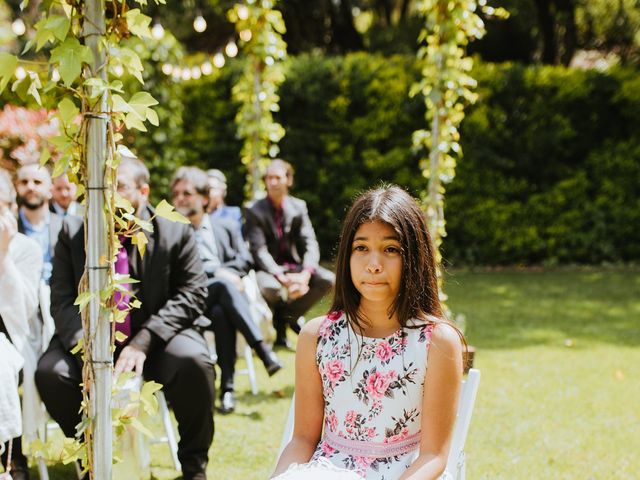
175 290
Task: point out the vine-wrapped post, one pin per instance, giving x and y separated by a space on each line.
96 234
260 28
447 88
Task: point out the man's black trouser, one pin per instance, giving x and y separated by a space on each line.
182 366
229 312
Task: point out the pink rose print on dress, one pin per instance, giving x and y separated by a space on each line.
378 383
328 449
332 422
384 351
325 329
333 316
363 462
351 417
334 371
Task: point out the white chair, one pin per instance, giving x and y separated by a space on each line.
456 464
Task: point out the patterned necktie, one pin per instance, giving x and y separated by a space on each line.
121 267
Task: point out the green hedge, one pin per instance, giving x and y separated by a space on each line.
551 156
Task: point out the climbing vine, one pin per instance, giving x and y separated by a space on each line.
260 28
77 60
447 87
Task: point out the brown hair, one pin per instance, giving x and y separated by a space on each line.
418 295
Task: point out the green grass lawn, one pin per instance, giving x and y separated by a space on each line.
559 396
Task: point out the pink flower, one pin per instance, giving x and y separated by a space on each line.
371 432
334 371
332 422
325 329
384 351
404 433
327 449
333 316
427 331
363 462
378 383
351 417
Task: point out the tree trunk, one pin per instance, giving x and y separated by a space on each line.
547 24
567 9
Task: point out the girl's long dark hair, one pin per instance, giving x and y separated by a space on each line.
418 295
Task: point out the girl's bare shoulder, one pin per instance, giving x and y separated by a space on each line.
312 327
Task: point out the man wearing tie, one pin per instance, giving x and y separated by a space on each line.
162 342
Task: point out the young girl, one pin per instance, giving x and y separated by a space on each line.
365 399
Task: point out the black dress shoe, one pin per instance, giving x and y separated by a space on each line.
282 344
272 364
227 403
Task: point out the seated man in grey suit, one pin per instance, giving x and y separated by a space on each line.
285 251
162 342
226 260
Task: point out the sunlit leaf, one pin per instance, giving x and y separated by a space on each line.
166 210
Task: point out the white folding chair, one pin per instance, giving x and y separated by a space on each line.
456 464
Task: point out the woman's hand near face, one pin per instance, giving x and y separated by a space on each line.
8 230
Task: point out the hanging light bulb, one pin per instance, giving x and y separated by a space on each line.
55 75
118 70
167 68
243 12
177 73
231 49
196 72
186 74
20 73
199 24
18 27
207 68
245 35
157 31
218 60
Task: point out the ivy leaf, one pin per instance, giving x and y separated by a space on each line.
83 300
77 348
67 111
51 28
44 156
140 240
132 63
8 64
138 23
166 210
120 336
70 56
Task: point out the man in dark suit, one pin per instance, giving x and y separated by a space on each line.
226 260
162 342
285 251
33 188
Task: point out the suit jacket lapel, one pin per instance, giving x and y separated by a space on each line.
287 216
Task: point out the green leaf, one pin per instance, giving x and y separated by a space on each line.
51 28
120 337
166 210
137 424
78 347
138 23
45 155
8 64
69 56
83 299
140 240
67 111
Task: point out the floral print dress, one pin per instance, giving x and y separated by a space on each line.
373 389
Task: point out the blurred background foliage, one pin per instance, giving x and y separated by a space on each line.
552 147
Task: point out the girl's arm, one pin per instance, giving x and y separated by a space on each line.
439 404
309 403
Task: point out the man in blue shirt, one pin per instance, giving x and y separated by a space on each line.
33 186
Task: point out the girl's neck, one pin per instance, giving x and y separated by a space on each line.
378 323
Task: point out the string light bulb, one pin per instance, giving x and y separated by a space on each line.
218 60
20 73
196 72
55 75
199 24
207 68
243 12
231 49
118 70
157 31
167 68
18 27
245 35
